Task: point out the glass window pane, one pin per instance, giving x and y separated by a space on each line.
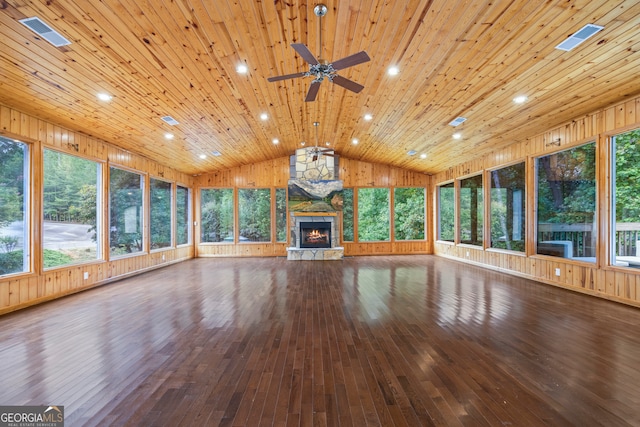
160 205
627 203
446 212
281 214
216 216
70 203
347 215
254 207
471 211
566 203
373 214
125 211
183 215
14 185
409 213
507 208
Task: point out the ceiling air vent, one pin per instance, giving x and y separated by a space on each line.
582 34
457 121
46 32
170 120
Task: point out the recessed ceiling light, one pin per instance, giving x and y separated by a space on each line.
303 143
393 71
275 141
104 97
520 99
168 135
423 156
457 136
203 156
368 117
327 143
242 69
264 116
355 141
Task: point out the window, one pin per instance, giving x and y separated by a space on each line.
471 211
507 210
254 207
281 215
446 212
373 214
125 211
409 213
14 184
216 215
626 206
160 208
70 204
183 215
566 203
347 215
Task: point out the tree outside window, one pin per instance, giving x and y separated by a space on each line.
566 203
125 211
70 204
471 210
626 187
14 183
507 210
373 214
216 215
409 213
254 208
281 215
446 212
347 215
183 215
160 206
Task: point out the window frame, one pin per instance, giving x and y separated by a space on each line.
424 213
189 210
143 214
172 236
234 216
238 218
525 211
438 229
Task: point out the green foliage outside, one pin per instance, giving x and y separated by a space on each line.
409 213
182 215
125 212
281 215
216 218
12 175
566 186
160 226
507 224
347 215
446 214
373 214
628 176
471 210
254 207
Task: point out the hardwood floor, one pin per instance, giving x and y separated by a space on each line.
390 341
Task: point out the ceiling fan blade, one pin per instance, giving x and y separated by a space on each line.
351 60
313 92
347 84
286 76
305 53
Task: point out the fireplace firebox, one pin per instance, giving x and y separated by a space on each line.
315 234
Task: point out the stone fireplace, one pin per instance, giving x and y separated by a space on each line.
315 235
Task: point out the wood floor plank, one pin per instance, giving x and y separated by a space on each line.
366 341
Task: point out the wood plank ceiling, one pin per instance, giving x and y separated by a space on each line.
179 58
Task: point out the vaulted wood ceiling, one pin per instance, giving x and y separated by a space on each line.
179 58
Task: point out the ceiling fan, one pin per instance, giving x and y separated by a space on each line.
320 69
317 152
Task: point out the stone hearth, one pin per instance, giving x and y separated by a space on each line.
297 253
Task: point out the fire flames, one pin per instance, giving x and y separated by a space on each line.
315 236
